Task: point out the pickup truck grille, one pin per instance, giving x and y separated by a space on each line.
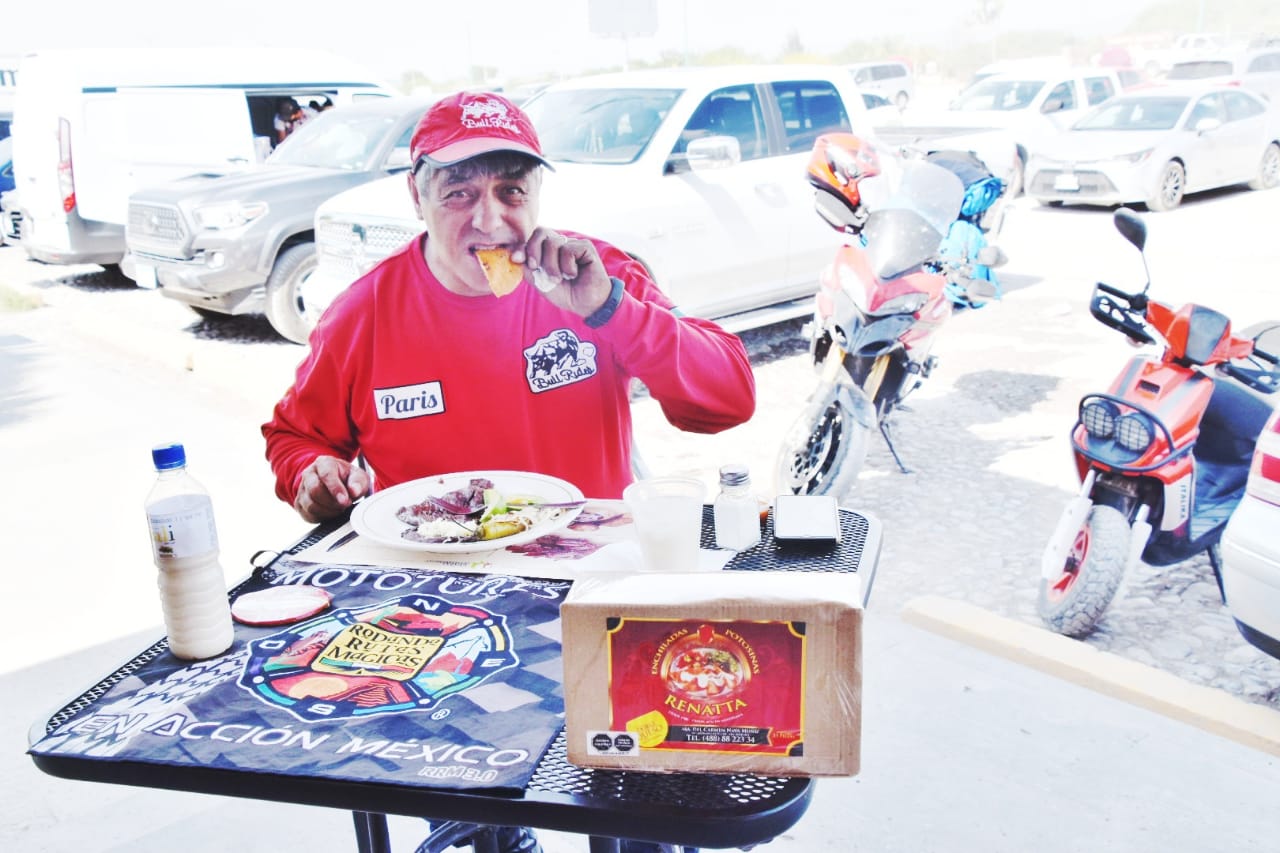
157 229
352 249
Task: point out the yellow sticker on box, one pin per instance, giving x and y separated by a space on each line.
651 729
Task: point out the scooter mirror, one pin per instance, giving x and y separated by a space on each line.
1131 227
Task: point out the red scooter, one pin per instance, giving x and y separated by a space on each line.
1163 455
879 306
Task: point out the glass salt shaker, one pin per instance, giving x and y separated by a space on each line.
736 510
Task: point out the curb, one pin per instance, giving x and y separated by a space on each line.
1252 725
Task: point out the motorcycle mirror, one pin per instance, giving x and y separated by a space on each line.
1131 228
982 290
992 256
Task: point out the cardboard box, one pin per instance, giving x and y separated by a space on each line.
722 672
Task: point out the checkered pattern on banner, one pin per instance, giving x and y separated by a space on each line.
478 719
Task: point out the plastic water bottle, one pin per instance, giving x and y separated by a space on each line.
184 543
736 510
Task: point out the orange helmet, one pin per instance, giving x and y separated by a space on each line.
837 163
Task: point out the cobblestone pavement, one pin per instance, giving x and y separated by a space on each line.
985 438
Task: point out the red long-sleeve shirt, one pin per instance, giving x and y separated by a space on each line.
424 381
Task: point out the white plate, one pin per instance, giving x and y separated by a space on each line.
375 516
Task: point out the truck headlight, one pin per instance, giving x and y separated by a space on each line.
228 215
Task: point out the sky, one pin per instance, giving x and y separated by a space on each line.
521 38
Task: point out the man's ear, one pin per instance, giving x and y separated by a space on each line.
413 186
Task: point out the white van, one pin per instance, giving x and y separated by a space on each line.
92 126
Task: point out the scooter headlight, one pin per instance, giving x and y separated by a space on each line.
1099 418
1134 432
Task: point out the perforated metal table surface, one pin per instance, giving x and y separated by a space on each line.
695 810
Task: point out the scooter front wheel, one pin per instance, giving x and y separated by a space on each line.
826 446
1073 600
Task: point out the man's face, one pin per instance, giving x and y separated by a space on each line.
465 209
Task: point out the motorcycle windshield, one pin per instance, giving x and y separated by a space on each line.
911 210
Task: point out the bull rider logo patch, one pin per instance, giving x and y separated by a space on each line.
557 360
404 654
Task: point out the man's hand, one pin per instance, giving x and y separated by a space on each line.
581 284
328 487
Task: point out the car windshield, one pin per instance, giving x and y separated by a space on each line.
1149 113
993 94
334 141
598 125
1198 70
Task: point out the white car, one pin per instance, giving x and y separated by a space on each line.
1030 105
1155 145
1257 69
1251 548
697 172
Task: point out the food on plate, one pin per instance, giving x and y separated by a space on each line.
280 605
477 512
503 274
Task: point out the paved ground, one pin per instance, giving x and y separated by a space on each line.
962 750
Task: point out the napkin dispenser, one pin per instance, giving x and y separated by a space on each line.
741 672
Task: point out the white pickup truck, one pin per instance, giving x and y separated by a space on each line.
697 172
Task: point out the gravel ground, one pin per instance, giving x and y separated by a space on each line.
985 439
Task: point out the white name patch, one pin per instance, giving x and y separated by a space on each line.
408 401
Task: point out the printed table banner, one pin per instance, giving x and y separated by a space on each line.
415 676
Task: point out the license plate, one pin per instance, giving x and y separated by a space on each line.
144 275
1066 182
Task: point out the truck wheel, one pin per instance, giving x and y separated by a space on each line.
1018 180
1268 169
1169 188
1072 602
284 307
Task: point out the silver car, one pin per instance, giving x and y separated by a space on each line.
244 242
1155 145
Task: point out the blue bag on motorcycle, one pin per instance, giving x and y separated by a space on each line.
981 188
963 242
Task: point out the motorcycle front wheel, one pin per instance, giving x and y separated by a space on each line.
1073 601
826 446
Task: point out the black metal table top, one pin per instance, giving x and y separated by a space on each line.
694 809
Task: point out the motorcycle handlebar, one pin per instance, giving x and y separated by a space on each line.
1112 314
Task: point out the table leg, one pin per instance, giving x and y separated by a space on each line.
372 835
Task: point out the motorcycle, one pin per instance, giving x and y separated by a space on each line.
1163 455
879 306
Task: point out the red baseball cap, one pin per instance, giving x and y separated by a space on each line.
468 124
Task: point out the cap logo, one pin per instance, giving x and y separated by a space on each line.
483 112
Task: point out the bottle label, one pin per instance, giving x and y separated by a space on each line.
183 531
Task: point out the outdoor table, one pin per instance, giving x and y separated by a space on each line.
696 810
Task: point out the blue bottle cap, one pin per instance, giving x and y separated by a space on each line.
167 456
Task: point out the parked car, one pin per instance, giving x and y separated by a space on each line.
10 219
1156 60
697 172
890 79
880 109
94 125
244 242
6 164
1155 145
1029 105
1251 549
1257 69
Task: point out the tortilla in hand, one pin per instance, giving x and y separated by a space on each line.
503 275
